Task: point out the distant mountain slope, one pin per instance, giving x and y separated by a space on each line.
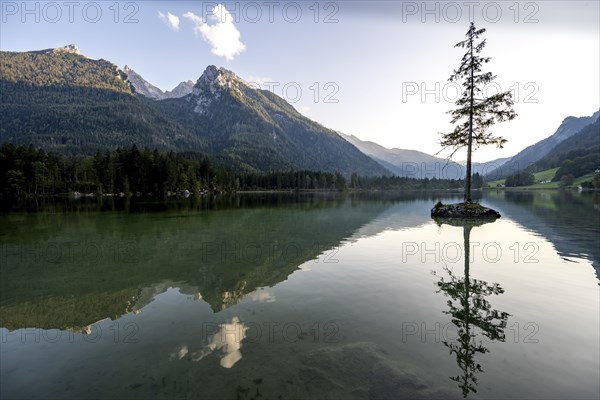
416 164
142 86
483 168
147 89
524 159
584 142
63 101
183 89
578 155
408 163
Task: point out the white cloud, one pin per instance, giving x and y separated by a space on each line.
261 295
171 20
223 36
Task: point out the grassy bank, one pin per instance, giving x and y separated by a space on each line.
542 176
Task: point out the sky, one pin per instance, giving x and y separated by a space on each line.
376 70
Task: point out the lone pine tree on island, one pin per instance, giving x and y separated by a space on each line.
475 114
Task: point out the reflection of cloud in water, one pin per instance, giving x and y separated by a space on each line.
304 268
227 340
180 353
261 295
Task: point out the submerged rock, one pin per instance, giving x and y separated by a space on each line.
360 371
463 210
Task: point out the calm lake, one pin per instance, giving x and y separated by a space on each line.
287 296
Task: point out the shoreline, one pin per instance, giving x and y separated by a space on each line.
92 195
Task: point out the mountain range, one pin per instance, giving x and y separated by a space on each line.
530 156
417 164
61 100
408 163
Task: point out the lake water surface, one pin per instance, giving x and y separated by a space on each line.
285 296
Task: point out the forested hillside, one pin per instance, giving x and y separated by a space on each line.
71 104
61 101
577 155
525 159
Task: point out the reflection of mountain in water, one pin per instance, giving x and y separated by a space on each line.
70 270
569 220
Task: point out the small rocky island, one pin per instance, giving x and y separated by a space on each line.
463 210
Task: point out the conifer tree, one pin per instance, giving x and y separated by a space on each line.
475 114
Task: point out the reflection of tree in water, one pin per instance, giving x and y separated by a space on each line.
470 310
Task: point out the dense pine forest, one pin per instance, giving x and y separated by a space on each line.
26 171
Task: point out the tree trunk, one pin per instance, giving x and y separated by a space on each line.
470 140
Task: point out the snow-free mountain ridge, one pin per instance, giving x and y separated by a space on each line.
525 158
147 89
223 118
220 116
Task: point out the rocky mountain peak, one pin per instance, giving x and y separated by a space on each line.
68 49
183 89
142 86
219 77
145 88
571 125
211 84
